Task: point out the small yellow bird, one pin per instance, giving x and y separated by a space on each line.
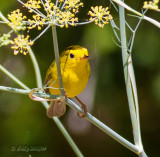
75 71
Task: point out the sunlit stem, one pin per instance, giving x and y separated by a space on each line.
130 84
89 117
125 56
121 3
45 104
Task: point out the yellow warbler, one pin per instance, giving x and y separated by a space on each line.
75 72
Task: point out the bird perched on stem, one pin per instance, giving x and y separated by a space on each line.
75 71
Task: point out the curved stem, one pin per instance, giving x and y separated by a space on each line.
45 104
104 128
89 117
156 23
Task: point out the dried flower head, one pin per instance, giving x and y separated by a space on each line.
100 15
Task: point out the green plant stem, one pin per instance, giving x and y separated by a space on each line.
121 3
89 117
68 137
45 104
36 69
14 90
104 128
130 83
56 52
39 84
13 77
125 56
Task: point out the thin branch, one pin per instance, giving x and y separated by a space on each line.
45 104
156 23
36 69
134 32
89 117
41 33
13 77
56 50
39 83
113 25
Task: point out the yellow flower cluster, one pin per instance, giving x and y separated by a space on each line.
73 5
51 9
100 15
151 5
37 21
66 17
61 14
21 44
34 4
4 40
16 19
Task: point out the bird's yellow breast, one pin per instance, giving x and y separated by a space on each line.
75 73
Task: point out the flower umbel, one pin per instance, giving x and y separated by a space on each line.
62 14
4 40
21 44
65 18
73 5
153 5
16 19
100 15
37 21
33 4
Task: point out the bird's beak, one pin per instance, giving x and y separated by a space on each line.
84 57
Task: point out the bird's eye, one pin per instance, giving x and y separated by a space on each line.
71 55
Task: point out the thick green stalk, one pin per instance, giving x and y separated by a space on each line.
130 83
125 56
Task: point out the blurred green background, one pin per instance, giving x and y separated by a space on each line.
24 122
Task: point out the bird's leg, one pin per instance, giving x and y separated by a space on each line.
84 109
